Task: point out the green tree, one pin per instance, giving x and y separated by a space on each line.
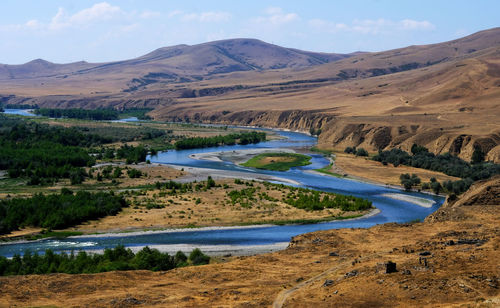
198 258
477 155
436 187
361 152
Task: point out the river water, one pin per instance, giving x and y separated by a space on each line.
224 240
21 112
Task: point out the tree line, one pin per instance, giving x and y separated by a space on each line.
445 163
448 164
231 139
131 154
57 211
21 131
43 153
113 259
101 114
84 114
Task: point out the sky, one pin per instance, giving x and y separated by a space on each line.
64 31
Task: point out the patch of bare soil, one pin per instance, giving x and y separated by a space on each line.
365 168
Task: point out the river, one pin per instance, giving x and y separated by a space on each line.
241 240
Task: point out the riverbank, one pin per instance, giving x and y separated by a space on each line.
411 199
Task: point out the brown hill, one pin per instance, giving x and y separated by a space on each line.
445 96
183 61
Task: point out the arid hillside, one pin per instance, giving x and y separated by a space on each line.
444 96
168 65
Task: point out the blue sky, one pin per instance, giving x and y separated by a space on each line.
96 31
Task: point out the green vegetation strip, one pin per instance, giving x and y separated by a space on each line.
326 170
117 259
301 221
448 164
57 211
45 154
231 139
261 161
94 114
302 198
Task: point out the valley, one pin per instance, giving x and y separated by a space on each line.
362 179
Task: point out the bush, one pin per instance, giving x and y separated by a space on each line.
198 258
477 155
361 152
180 259
409 181
436 187
134 173
350 150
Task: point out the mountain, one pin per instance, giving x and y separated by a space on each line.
183 60
39 68
444 96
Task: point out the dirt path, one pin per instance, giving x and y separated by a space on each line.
280 300
283 295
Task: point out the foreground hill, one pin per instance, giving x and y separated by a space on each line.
444 96
450 260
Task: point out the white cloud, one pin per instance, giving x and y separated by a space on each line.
273 10
98 12
149 14
276 16
327 26
207 17
174 13
129 28
372 26
33 24
417 25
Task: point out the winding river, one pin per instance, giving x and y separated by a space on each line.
241 240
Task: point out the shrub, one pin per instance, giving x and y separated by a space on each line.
134 173
350 150
361 152
198 258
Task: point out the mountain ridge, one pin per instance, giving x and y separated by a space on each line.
246 54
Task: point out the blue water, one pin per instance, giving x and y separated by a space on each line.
22 112
125 120
391 210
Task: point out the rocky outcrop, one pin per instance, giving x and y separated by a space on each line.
340 132
482 193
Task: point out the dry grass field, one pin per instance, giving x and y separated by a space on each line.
207 208
374 171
